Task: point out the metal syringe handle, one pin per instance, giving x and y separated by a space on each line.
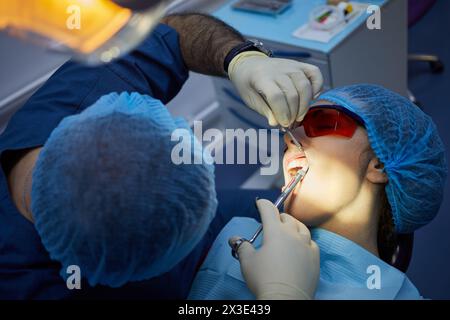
236 243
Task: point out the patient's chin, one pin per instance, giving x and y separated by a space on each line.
296 210
310 217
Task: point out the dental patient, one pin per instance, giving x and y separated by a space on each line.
376 169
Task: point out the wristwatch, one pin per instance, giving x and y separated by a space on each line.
249 45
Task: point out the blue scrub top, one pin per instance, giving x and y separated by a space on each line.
155 68
345 270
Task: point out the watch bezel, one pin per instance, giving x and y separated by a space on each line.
260 46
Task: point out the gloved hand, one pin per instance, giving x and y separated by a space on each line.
287 265
279 89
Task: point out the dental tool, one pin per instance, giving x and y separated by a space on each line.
235 243
297 144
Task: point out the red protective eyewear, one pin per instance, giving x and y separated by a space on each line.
330 120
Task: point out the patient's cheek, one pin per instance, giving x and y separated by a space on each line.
333 181
328 187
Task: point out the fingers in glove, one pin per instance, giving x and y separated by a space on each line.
291 94
315 247
289 221
263 108
245 251
305 93
297 226
316 253
314 76
270 216
303 231
271 93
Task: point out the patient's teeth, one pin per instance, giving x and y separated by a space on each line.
295 164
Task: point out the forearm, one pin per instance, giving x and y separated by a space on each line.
204 40
20 180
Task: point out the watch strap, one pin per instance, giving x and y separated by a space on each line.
249 45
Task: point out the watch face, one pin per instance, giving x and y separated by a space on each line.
256 43
260 46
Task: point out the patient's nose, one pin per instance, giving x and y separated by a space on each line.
288 141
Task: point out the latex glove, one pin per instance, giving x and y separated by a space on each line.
287 265
279 89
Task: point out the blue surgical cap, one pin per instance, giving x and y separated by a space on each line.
107 197
407 142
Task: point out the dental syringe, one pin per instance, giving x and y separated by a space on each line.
234 242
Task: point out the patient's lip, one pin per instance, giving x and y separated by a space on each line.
295 164
293 153
293 157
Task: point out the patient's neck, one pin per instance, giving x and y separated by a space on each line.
358 221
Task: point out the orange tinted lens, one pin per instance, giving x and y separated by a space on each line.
322 122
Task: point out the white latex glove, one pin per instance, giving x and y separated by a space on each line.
279 89
287 265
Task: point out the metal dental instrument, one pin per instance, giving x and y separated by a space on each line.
297 144
235 243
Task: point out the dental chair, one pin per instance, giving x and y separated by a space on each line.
401 257
416 10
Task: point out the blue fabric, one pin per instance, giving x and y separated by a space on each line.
176 283
407 142
108 198
343 270
155 68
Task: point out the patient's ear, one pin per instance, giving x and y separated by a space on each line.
375 171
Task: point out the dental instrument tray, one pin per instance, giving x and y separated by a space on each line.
270 7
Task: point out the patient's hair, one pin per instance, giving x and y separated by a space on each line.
386 239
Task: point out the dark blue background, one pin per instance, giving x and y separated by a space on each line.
430 266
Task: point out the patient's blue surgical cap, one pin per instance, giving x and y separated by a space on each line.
107 197
407 142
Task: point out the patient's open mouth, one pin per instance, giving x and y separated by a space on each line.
295 163
292 164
